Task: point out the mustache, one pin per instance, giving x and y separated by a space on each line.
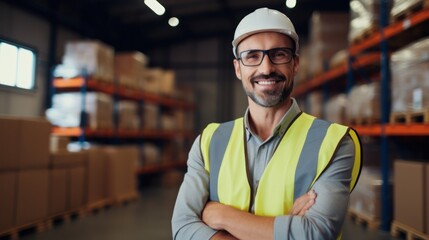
273 75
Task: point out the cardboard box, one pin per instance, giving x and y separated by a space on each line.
32 196
68 159
96 189
409 179
9 143
59 143
121 172
76 186
24 143
8 181
128 68
57 191
427 198
34 143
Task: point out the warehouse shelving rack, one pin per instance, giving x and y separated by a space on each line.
86 83
397 34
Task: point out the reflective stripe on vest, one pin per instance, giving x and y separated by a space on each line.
302 155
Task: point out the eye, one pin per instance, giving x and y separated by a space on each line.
280 53
252 55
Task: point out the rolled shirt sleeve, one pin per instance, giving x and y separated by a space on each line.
191 199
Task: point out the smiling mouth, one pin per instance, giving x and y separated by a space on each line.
267 82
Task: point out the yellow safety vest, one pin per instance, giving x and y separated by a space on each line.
309 143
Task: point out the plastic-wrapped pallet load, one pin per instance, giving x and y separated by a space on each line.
364 104
365 199
400 6
364 17
66 109
335 109
95 57
410 77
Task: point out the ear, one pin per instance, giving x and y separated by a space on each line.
237 69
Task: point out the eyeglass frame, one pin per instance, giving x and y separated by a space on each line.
265 52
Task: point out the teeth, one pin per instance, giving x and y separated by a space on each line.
266 82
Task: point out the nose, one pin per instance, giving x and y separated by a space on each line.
266 66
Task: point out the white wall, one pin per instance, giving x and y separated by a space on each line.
24 28
28 29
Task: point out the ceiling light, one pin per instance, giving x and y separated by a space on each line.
174 21
290 3
155 6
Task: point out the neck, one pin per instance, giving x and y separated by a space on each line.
263 120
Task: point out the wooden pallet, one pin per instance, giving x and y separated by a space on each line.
13 233
125 199
405 13
97 206
65 217
411 233
362 219
410 117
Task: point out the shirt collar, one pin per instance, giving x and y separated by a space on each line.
282 126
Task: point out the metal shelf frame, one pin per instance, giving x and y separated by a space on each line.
376 53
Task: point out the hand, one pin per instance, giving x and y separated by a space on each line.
303 203
212 213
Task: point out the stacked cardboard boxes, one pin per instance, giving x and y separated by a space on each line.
121 171
95 57
24 174
40 179
67 181
96 188
324 41
129 69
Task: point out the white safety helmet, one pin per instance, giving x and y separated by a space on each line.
264 20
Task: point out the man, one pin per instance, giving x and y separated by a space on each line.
245 177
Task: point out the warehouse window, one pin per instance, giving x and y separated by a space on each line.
17 65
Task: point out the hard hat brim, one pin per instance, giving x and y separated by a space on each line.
290 34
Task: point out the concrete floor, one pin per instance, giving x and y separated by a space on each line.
149 218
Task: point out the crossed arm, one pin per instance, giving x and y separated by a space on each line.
196 218
232 223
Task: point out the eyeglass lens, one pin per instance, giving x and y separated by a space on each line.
276 56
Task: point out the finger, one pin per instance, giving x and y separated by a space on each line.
297 206
311 200
300 204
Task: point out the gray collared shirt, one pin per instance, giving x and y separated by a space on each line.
324 219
